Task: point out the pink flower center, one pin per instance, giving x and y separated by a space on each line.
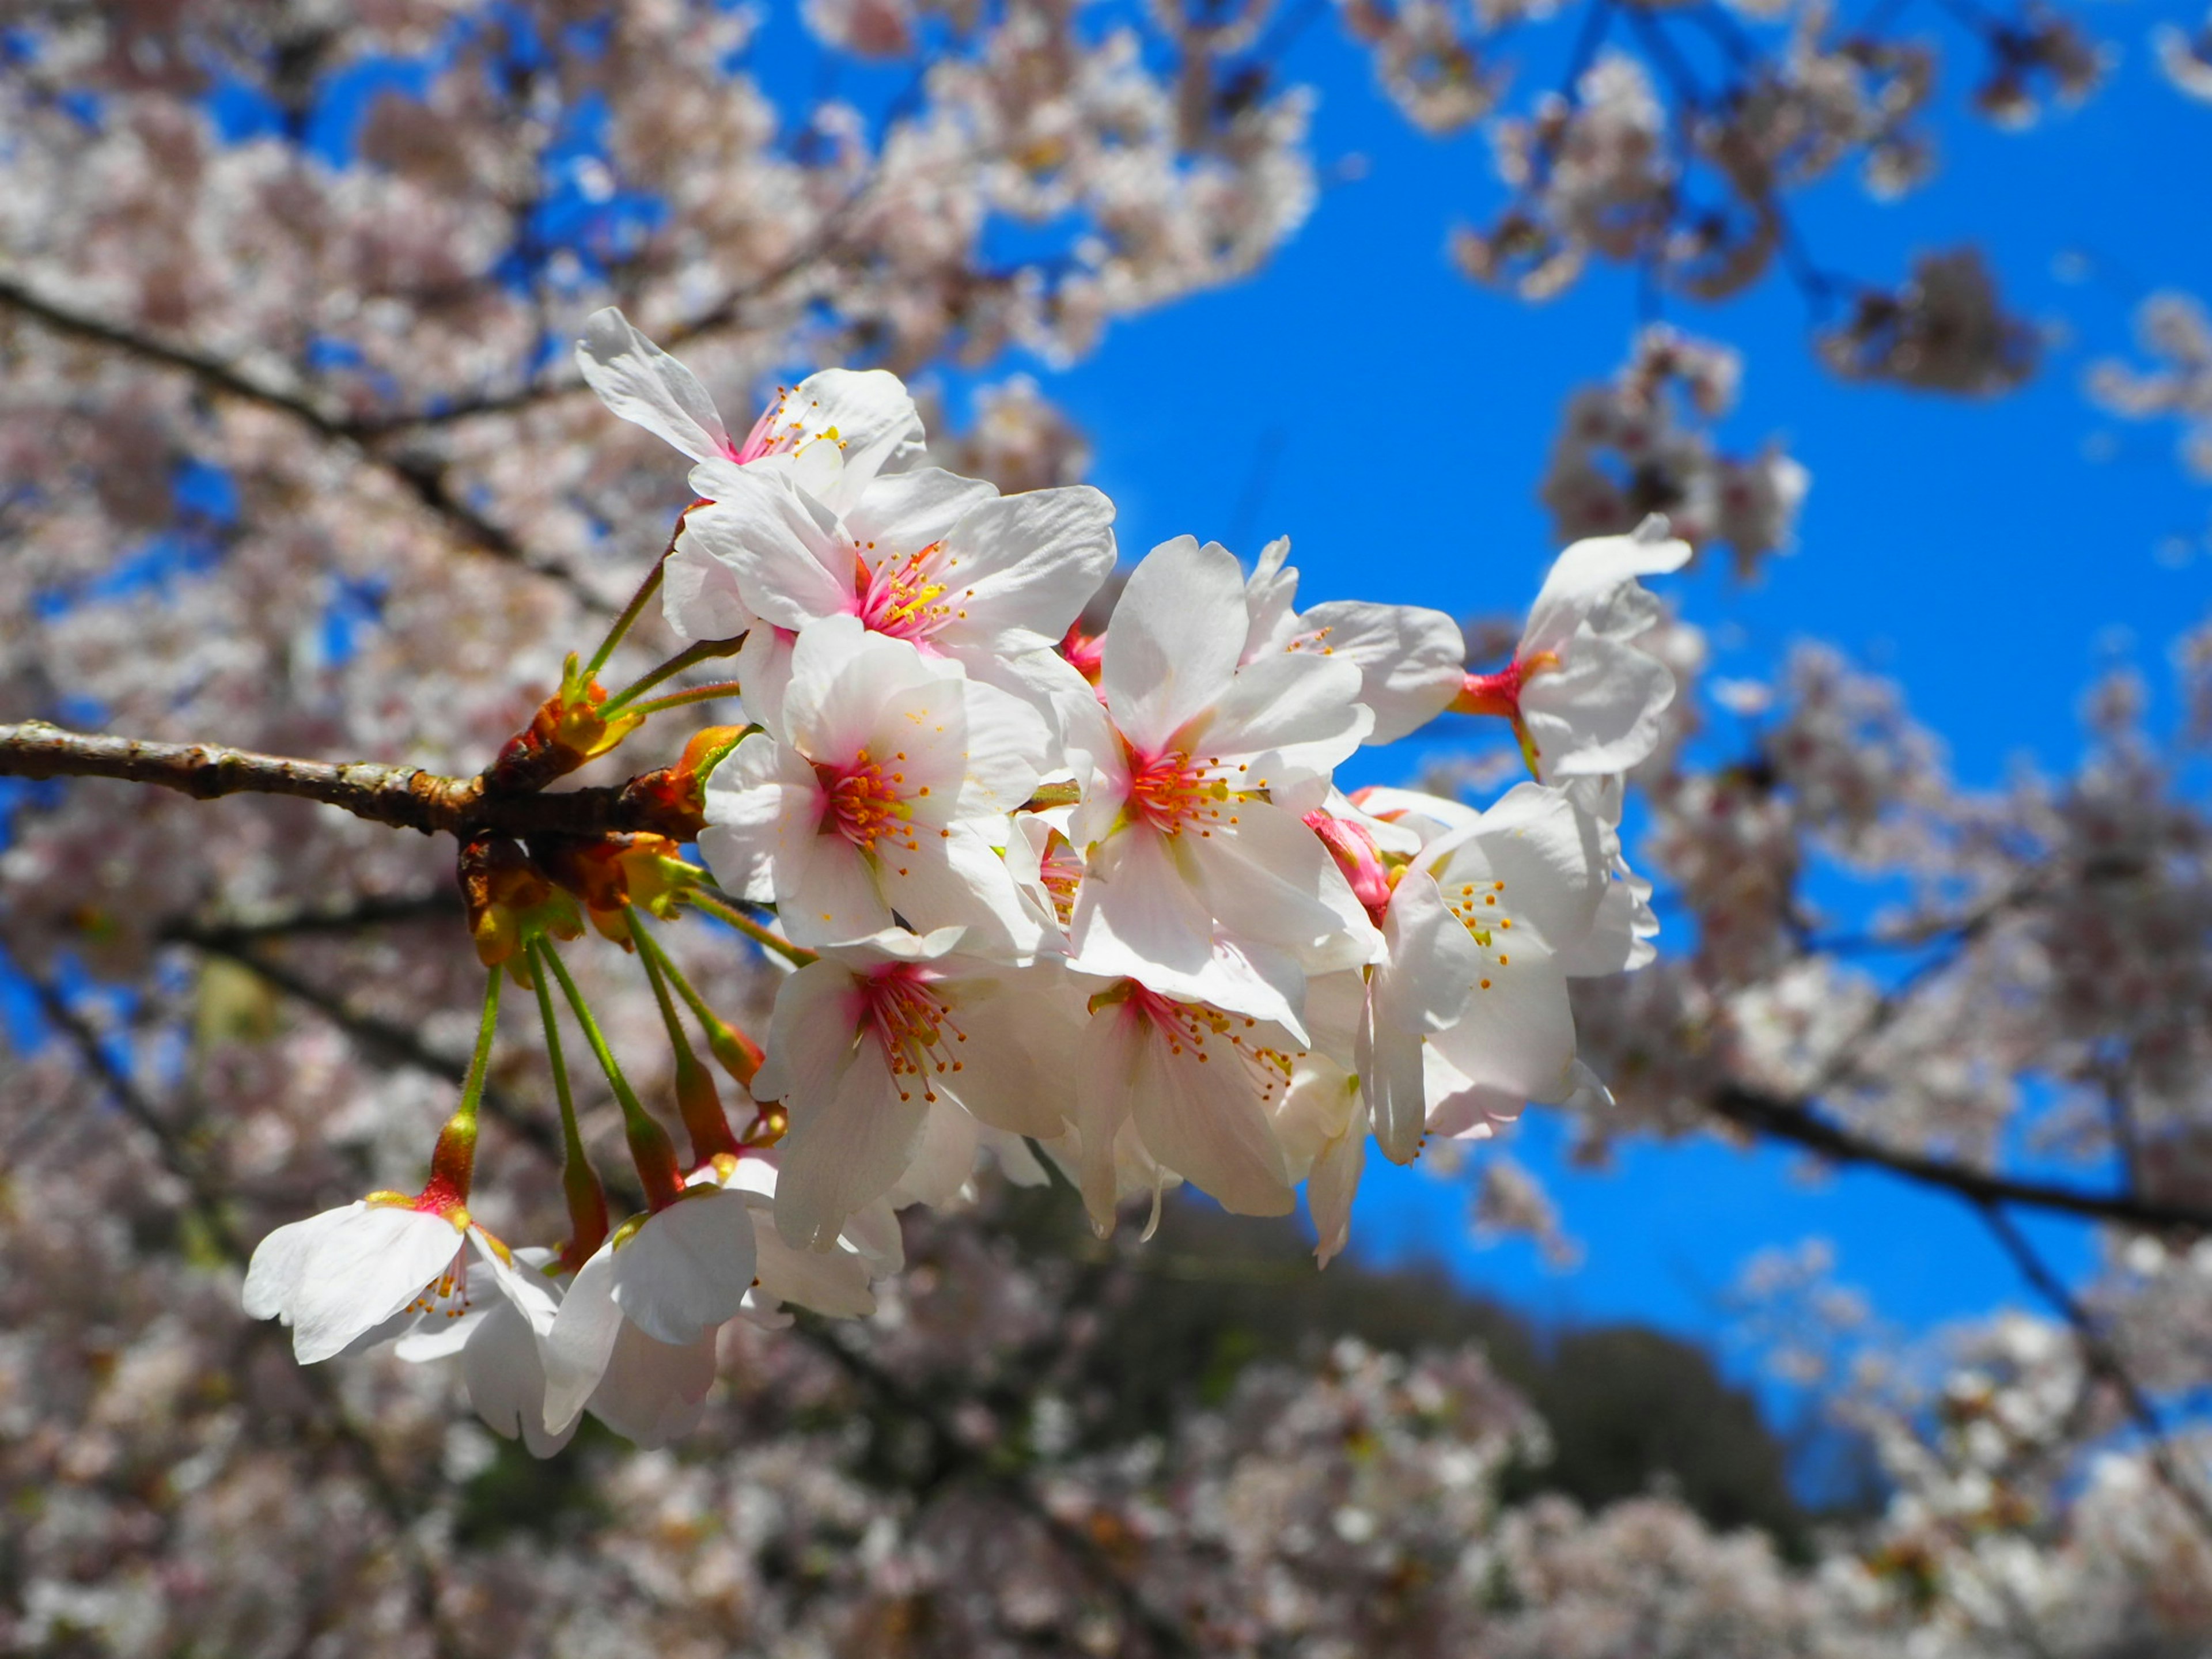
913 1026
863 802
1196 1033
1086 653
774 435
905 598
1170 790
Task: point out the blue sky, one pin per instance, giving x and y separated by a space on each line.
1976 550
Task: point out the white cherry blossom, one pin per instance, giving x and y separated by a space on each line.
645 1305
1198 1085
944 563
883 784
1583 698
500 1345
1200 880
888 1054
361 1274
1467 1016
1412 660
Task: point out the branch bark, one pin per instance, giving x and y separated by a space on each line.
426 481
405 797
1796 1121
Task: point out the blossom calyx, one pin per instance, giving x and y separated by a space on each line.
674 797
567 730
615 872
510 901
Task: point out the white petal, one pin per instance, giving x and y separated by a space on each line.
1022 567
581 1338
897 517
1206 1123
833 1282
1412 661
1175 640
653 1392
699 594
1590 573
846 1149
812 1032
506 1379
794 562
1516 1035
645 385
1298 712
356 1269
684 1272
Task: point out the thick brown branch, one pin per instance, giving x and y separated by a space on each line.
1793 1121
406 797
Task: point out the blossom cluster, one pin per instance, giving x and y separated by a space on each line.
1642 444
1092 897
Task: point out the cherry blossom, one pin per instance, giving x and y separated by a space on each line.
883 786
1200 880
1584 699
881 1049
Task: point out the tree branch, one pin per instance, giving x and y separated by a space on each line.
425 480
405 797
1796 1121
377 1035
2103 1358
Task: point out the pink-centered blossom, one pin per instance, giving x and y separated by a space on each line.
363 1272
882 785
946 563
889 1054
1583 698
1201 881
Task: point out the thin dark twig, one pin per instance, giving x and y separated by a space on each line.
956 1457
2104 1359
426 481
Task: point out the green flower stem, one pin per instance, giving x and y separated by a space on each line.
579 1183
704 651
737 1055
752 929
650 1148
452 1161
630 612
678 699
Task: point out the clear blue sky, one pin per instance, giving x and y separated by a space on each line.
1973 549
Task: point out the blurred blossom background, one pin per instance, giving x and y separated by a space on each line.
1873 1316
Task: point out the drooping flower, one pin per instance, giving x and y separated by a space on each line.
653 1295
1584 700
499 1342
877 1039
361 1273
1201 881
1412 660
882 785
1198 1085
